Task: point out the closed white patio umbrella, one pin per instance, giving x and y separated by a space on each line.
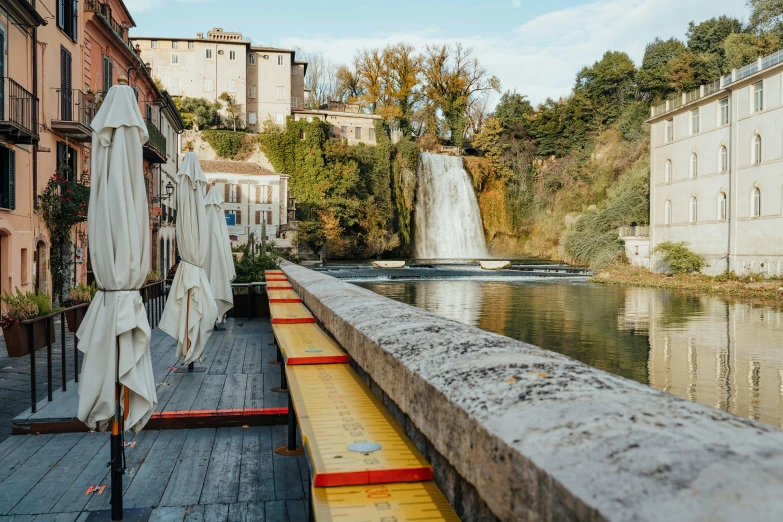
115 334
219 264
190 312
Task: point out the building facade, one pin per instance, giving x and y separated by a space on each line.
716 172
255 200
345 121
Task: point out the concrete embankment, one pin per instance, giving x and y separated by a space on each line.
515 432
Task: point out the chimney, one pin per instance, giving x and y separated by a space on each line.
200 36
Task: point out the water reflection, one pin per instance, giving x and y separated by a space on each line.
722 354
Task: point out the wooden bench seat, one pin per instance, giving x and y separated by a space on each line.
283 296
278 285
336 410
419 501
276 278
273 272
307 344
290 313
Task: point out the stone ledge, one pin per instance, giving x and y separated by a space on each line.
543 437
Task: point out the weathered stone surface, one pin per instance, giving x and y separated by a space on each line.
543 437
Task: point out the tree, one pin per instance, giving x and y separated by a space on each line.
766 15
403 66
233 109
320 79
198 113
347 88
513 110
372 76
453 81
689 70
609 84
652 77
743 48
709 36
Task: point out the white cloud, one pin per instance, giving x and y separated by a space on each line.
542 56
143 6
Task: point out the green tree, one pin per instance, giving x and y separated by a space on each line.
766 15
689 70
609 84
652 78
513 110
743 48
232 108
709 36
200 112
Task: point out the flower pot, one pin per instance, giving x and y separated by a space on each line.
17 337
74 318
260 305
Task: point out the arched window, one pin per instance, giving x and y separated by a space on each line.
667 218
694 165
723 159
668 172
694 214
722 207
756 149
756 202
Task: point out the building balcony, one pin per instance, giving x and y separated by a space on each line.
18 113
155 148
22 12
75 114
634 232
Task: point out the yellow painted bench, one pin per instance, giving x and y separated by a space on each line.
307 344
417 501
350 437
283 296
273 272
290 313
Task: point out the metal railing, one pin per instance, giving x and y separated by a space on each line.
154 297
675 102
659 109
157 139
693 95
18 106
711 87
75 105
105 12
748 70
634 231
727 80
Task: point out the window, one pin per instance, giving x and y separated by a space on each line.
670 130
25 274
191 45
208 84
233 193
174 44
694 214
232 86
251 59
7 178
108 73
268 217
232 55
756 202
667 177
694 165
174 83
251 118
372 134
208 54
756 159
175 59
357 133
293 102
280 119
280 93
344 132
723 159
154 44
252 92
66 157
694 121
258 217
722 207
758 97
66 106
68 17
723 118
293 70
279 59
667 215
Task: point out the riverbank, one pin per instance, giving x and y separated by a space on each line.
770 290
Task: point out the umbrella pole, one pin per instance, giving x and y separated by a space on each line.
190 368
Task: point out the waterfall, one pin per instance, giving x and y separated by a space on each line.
448 221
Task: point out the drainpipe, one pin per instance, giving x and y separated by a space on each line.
35 95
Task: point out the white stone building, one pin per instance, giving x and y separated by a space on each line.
164 225
717 170
253 195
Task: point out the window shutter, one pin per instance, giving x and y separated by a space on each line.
225 192
74 19
61 14
65 85
239 193
269 217
12 179
258 217
269 193
258 195
239 217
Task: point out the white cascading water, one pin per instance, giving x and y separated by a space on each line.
448 221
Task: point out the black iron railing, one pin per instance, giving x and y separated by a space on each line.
76 106
157 140
18 106
154 297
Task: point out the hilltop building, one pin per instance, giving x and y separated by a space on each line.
715 170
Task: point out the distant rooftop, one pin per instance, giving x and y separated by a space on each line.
234 167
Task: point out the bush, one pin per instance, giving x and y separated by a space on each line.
229 144
23 306
679 257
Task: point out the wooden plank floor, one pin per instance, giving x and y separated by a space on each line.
239 376
184 475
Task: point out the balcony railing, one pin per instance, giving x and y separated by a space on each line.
76 112
634 231
748 70
712 88
18 113
675 101
155 149
693 95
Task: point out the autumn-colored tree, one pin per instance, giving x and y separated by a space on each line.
370 69
232 108
403 66
348 88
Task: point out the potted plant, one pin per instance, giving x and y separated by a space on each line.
22 307
154 291
77 295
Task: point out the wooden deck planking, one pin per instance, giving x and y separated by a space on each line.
184 488
222 482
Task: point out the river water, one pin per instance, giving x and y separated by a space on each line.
726 355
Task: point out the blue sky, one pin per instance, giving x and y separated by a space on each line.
535 47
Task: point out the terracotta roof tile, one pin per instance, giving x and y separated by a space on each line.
233 167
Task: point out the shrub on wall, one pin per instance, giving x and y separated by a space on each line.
230 144
679 258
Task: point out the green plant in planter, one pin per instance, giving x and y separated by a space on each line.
153 277
23 306
63 205
80 294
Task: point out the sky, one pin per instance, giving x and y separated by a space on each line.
534 47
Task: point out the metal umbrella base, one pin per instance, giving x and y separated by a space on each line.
191 368
129 515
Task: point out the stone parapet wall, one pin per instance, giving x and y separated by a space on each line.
515 432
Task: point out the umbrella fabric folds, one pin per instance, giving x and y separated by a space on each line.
115 334
219 265
190 312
